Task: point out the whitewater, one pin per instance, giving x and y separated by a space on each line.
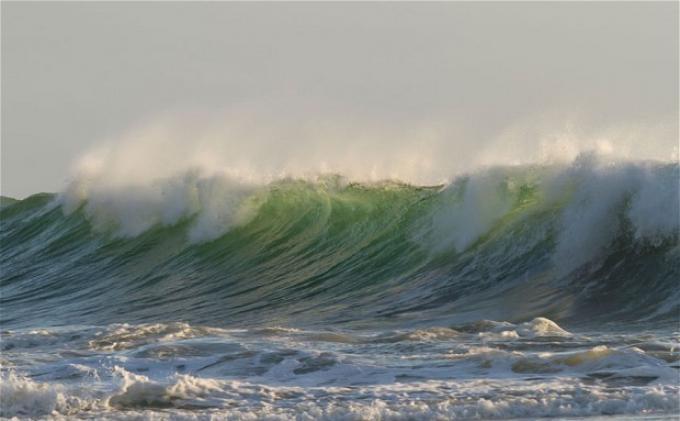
541 289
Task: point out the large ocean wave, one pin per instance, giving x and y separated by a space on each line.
589 241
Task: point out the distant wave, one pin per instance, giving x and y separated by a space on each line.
586 241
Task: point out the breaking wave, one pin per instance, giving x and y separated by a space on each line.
592 240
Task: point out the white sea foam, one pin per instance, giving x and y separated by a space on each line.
187 397
538 327
219 201
599 199
125 336
22 397
606 195
463 218
435 373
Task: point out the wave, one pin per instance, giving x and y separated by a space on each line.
593 240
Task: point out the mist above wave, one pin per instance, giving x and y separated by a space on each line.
259 147
215 165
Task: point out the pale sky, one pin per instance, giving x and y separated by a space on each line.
76 73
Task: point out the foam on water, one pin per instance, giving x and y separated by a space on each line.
212 279
541 370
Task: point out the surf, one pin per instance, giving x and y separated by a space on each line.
592 240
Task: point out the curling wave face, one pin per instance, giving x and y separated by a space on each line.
589 241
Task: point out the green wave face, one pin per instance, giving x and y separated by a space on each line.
575 244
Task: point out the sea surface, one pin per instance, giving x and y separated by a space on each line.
509 292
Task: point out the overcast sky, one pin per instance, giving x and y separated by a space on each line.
75 73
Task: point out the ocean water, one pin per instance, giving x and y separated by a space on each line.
510 292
